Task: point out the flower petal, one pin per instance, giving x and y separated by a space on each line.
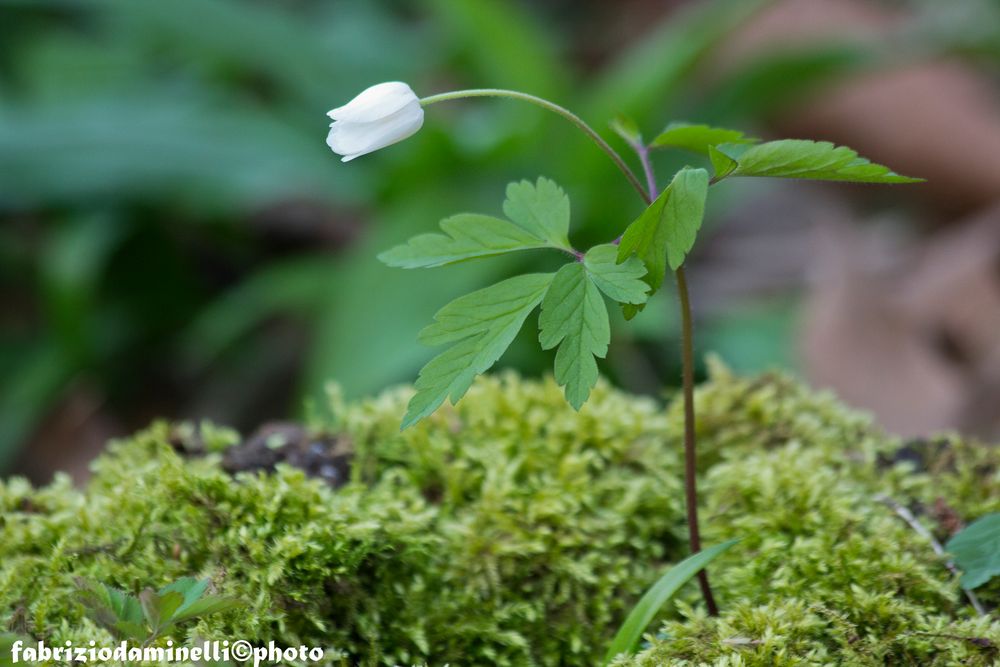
376 102
352 139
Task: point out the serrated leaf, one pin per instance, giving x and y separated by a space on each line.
136 631
799 158
698 138
666 231
203 607
575 318
541 209
482 325
977 551
109 606
466 236
189 587
539 218
621 282
627 129
169 604
658 594
150 602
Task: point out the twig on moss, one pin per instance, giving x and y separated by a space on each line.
906 515
981 642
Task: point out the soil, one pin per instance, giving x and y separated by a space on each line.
326 456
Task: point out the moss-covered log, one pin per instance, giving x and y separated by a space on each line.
511 530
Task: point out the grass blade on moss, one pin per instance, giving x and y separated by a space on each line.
643 612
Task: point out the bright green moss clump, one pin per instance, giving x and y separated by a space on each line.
509 531
826 573
512 531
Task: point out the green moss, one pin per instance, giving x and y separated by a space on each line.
511 530
826 573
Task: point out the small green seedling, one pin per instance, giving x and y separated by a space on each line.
659 594
145 618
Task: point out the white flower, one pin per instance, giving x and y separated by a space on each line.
378 117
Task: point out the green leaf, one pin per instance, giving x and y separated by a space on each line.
698 138
621 282
977 551
575 318
541 209
722 164
665 232
190 588
482 325
150 602
109 606
466 236
168 605
799 158
194 602
205 606
539 218
158 609
643 613
7 641
136 631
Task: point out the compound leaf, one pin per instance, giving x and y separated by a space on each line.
539 218
466 236
800 158
621 282
977 551
541 209
575 318
211 604
108 605
666 231
698 138
190 588
482 325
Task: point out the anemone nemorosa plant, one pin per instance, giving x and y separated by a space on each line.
478 327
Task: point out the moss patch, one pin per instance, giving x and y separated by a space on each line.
512 531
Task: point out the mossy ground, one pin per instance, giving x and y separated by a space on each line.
512 531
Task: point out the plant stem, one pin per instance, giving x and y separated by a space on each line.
687 380
690 448
550 106
687 345
642 150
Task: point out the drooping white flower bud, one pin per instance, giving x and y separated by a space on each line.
380 116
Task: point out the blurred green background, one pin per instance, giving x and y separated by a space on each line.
178 241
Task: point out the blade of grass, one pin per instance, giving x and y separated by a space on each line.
647 608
